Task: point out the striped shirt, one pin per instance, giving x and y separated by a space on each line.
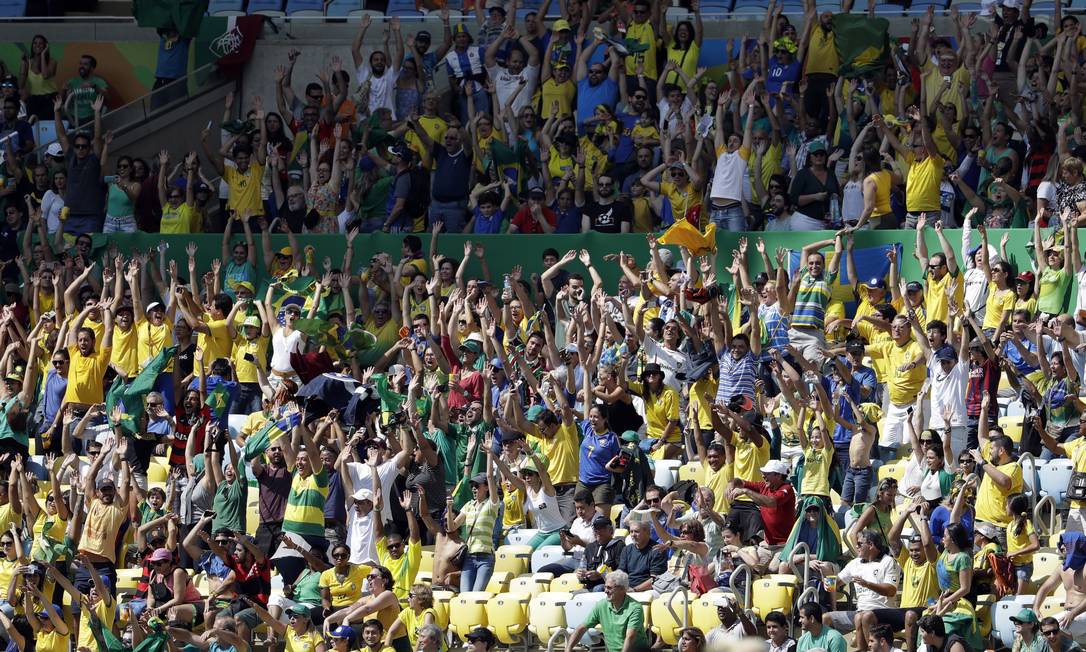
305 504
775 326
811 301
479 520
736 376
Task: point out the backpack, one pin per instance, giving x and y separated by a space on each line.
418 200
685 490
1005 581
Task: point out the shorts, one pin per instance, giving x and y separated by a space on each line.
1024 572
602 493
748 518
842 621
895 617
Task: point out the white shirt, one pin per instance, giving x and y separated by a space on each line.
51 205
360 536
583 529
506 83
382 89
386 473
719 637
948 390
731 170
883 571
544 510
282 347
976 292
852 201
1080 302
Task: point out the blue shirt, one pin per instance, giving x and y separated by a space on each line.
173 58
452 173
940 517
488 225
736 376
569 221
596 451
1011 353
861 377
211 564
589 97
52 398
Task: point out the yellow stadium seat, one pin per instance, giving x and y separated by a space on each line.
567 583
157 472
547 614
1052 606
424 577
507 616
668 619
893 470
772 595
512 559
427 563
499 583
644 598
703 611
1044 564
128 579
531 585
468 611
1012 427
616 513
692 471
441 606
621 533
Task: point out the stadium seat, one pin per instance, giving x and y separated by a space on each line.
1055 478
427 561
692 471
128 579
577 610
666 473
547 614
499 582
468 611
342 8
157 472
266 7
1052 606
668 617
547 555
12 8
520 537
1002 611
1044 564
305 7
1031 472
703 611
532 585
567 583
769 595
894 470
1012 427
512 559
226 8
507 616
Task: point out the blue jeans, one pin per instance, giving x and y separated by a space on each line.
476 572
730 217
857 484
452 213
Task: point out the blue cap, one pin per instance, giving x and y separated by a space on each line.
343 631
496 363
875 283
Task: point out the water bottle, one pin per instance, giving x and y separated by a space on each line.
835 211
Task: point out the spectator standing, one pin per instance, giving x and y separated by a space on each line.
83 91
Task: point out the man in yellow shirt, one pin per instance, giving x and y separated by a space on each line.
943 272
640 29
97 595
244 177
215 326
88 367
1002 478
906 368
250 351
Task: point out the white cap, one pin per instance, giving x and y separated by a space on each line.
1012 4
776 466
363 494
54 149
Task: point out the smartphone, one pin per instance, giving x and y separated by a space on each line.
109 178
249 357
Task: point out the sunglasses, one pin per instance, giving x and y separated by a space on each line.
341 555
1050 632
81 146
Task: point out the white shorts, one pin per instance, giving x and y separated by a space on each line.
894 424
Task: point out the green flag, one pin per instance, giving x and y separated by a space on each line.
258 442
183 15
131 410
863 44
145 380
156 641
218 399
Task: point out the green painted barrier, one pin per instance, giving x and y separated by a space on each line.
502 252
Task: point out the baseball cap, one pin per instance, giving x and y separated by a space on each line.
816 146
482 634
54 149
856 346
423 35
343 631
776 466
472 346
155 305
630 436
987 531
875 283
533 412
245 285
1026 615
478 479
363 494
106 482
537 193
251 320
1025 277
299 610
946 353
399 151
285 251
602 521
560 25
914 286
15 376
161 554
761 279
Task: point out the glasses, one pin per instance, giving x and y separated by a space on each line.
595 71
640 96
154 404
81 146
222 542
1050 632
652 500
341 555
395 546
5 544
57 363
50 499
92 453
376 576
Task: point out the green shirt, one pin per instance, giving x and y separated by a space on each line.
305 504
307 587
84 92
229 505
1054 286
830 640
6 431
392 401
375 200
148 513
616 622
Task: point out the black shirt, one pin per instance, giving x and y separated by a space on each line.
596 556
86 193
607 218
640 564
303 218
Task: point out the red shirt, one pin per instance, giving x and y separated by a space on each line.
525 223
780 518
182 429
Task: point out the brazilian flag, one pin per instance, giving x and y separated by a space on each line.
130 395
259 441
218 399
183 15
863 44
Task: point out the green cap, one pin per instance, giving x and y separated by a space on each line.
630 436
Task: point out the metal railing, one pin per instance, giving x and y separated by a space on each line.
744 593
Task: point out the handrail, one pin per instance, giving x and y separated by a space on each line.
806 560
1036 480
562 632
745 594
803 599
1050 526
686 612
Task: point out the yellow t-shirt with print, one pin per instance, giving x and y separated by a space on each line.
816 471
245 370
933 80
1076 452
771 164
244 188
903 385
348 590
919 582
513 499
562 452
992 500
86 375
559 165
686 60
124 356
306 642
151 339
873 335
177 220
645 34
434 127
936 305
718 481
1017 540
645 132
821 52
564 93
107 614
682 199
660 409
922 184
996 304
749 460
52 641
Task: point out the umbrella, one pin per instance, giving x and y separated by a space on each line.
334 390
363 402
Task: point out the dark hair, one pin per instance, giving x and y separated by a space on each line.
373 622
90 57
549 418
814 610
932 625
957 533
313 86
1018 506
413 242
1004 442
883 632
776 617
386 575
243 148
489 197
156 491
937 325
875 539
223 302
584 496
550 251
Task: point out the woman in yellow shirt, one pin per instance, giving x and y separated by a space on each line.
1001 296
420 611
683 45
50 632
381 604
817 455
661 411
1022 540
341 585
300 635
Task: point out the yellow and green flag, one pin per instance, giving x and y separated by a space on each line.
863 44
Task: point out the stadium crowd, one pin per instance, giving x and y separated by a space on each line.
417 440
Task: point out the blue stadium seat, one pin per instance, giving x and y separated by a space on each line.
265 6
404 12
295 6
226 8
341 8
967 6
887 10
12 8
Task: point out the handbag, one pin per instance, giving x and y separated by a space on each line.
460 556
698 578
1076 486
